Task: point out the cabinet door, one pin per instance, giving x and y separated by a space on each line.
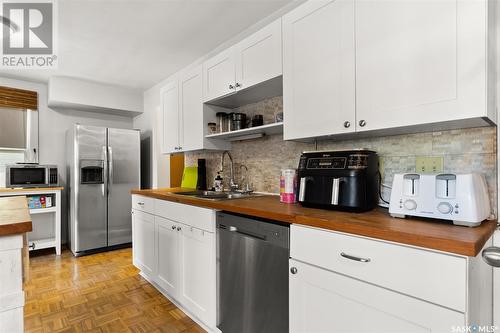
219 75
419 62
170 111
191 99
167 240
197 252
143 242
324 301
258 57
318 69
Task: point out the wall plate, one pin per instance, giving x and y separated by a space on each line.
429 164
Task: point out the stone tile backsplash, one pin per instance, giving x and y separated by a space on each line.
464 150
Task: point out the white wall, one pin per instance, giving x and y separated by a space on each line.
52 131
151 122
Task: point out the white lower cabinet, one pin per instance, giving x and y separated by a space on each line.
167 240
179 257
143 242
325 301
197 273
346 283
11 286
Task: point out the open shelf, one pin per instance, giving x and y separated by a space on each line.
248 133
43 210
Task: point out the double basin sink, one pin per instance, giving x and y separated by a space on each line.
213 195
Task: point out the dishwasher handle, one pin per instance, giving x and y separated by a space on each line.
243 232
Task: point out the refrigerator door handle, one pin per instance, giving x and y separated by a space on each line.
105 165
110 168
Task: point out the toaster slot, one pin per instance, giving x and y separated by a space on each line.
411 184
446 186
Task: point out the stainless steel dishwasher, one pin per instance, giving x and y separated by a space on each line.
252 275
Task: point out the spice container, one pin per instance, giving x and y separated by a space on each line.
222 122
238 121
212 128
257 120
288 185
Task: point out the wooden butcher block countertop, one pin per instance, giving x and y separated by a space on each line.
14 216
30 189
375 224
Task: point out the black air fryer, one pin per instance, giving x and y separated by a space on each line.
339 180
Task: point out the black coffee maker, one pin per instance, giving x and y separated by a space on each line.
339 180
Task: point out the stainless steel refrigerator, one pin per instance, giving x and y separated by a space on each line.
103 165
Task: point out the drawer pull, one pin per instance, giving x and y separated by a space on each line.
348 256
140 203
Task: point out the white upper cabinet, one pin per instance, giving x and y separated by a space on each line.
319 69
191 100
366 65
420 62
184 118
259 57
254 60
170 115
219 75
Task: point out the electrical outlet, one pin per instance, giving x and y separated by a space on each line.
381 165
429 164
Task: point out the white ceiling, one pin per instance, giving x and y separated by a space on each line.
139 43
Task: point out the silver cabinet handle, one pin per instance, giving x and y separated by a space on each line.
173 227
293 270
348 256
140 203
491 255
362 123
178 228
335 191
347 124
238 85
231 86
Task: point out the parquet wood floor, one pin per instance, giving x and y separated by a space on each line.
97 293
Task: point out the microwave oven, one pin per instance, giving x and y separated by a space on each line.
31 175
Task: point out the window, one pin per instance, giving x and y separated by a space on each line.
18 127
13 128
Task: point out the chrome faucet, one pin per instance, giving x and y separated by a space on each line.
232 185
245 182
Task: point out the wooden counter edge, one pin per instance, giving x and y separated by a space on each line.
31 189
16 228
460 247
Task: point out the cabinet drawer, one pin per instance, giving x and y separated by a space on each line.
435 277
201 218
143 203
